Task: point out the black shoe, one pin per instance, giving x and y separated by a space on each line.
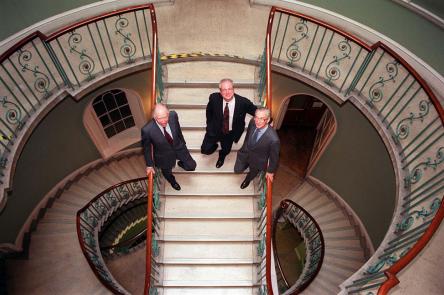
244 184
175 185
220 162
180 164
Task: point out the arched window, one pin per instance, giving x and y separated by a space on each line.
113 111
113 120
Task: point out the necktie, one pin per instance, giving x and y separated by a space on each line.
226 126
256 135
167 136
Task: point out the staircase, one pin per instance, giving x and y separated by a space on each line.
209 242
344 254
56 264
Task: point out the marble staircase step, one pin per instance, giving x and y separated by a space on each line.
208 291
210 183
194 138
210 71
196 96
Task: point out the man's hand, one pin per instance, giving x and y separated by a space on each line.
270 176
150 169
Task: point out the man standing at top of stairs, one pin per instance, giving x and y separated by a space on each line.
225 114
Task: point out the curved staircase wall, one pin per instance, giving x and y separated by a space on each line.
355 145
59 145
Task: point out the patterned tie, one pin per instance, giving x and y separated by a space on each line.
254 137
226 127
167 136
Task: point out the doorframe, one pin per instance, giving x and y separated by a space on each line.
281 115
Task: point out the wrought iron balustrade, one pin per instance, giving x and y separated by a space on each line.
311 234
408 114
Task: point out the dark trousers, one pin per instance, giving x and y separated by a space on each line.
210 144
188 164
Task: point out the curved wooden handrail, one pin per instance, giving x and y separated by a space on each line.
284 204
278 261
79 233
391 272
268 235
154 58
149 231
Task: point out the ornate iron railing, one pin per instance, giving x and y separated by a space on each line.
313 240
408 114
93 216
38 70
264 234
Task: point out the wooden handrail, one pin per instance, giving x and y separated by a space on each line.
268 60
149 232
268 235
149 207
392 271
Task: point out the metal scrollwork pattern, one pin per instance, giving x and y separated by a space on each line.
375 92
128 49
86 65
407 221
13 113
388 260
332 70
42 82
293 52
403 128
418 170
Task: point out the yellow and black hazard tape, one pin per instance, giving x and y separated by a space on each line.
197 54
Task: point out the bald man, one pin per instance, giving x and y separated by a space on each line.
162 136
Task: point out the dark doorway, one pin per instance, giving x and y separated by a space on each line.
300 129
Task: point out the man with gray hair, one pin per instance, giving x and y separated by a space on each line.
225 113
163 138
260 151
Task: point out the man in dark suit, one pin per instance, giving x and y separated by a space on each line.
163 138
226 113
260 150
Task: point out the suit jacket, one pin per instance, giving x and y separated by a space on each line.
164 154
215 115
264 152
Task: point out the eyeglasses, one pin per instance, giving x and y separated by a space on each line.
261 118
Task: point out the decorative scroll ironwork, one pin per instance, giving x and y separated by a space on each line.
42 82
408 221
333 71
418 170
13 114
128 49
293 52
403 127
375 92
86 65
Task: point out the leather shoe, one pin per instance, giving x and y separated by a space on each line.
180 164
244 184
176 186
220 162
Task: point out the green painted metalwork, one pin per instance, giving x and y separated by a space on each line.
26 83
111 44
317 51
423 131
128 49
138 33
283 38
360 72
372 71
403 127
86 65
350 70
398 101
13 114
404 106
418 170
293 53
429 136
375 92
16 87
69 64
95 48
311 47
332 70
42 82
261 246
325 54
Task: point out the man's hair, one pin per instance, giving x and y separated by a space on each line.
264 110
158 108
225 80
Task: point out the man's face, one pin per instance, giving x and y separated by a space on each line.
162 118
227 90
261 119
